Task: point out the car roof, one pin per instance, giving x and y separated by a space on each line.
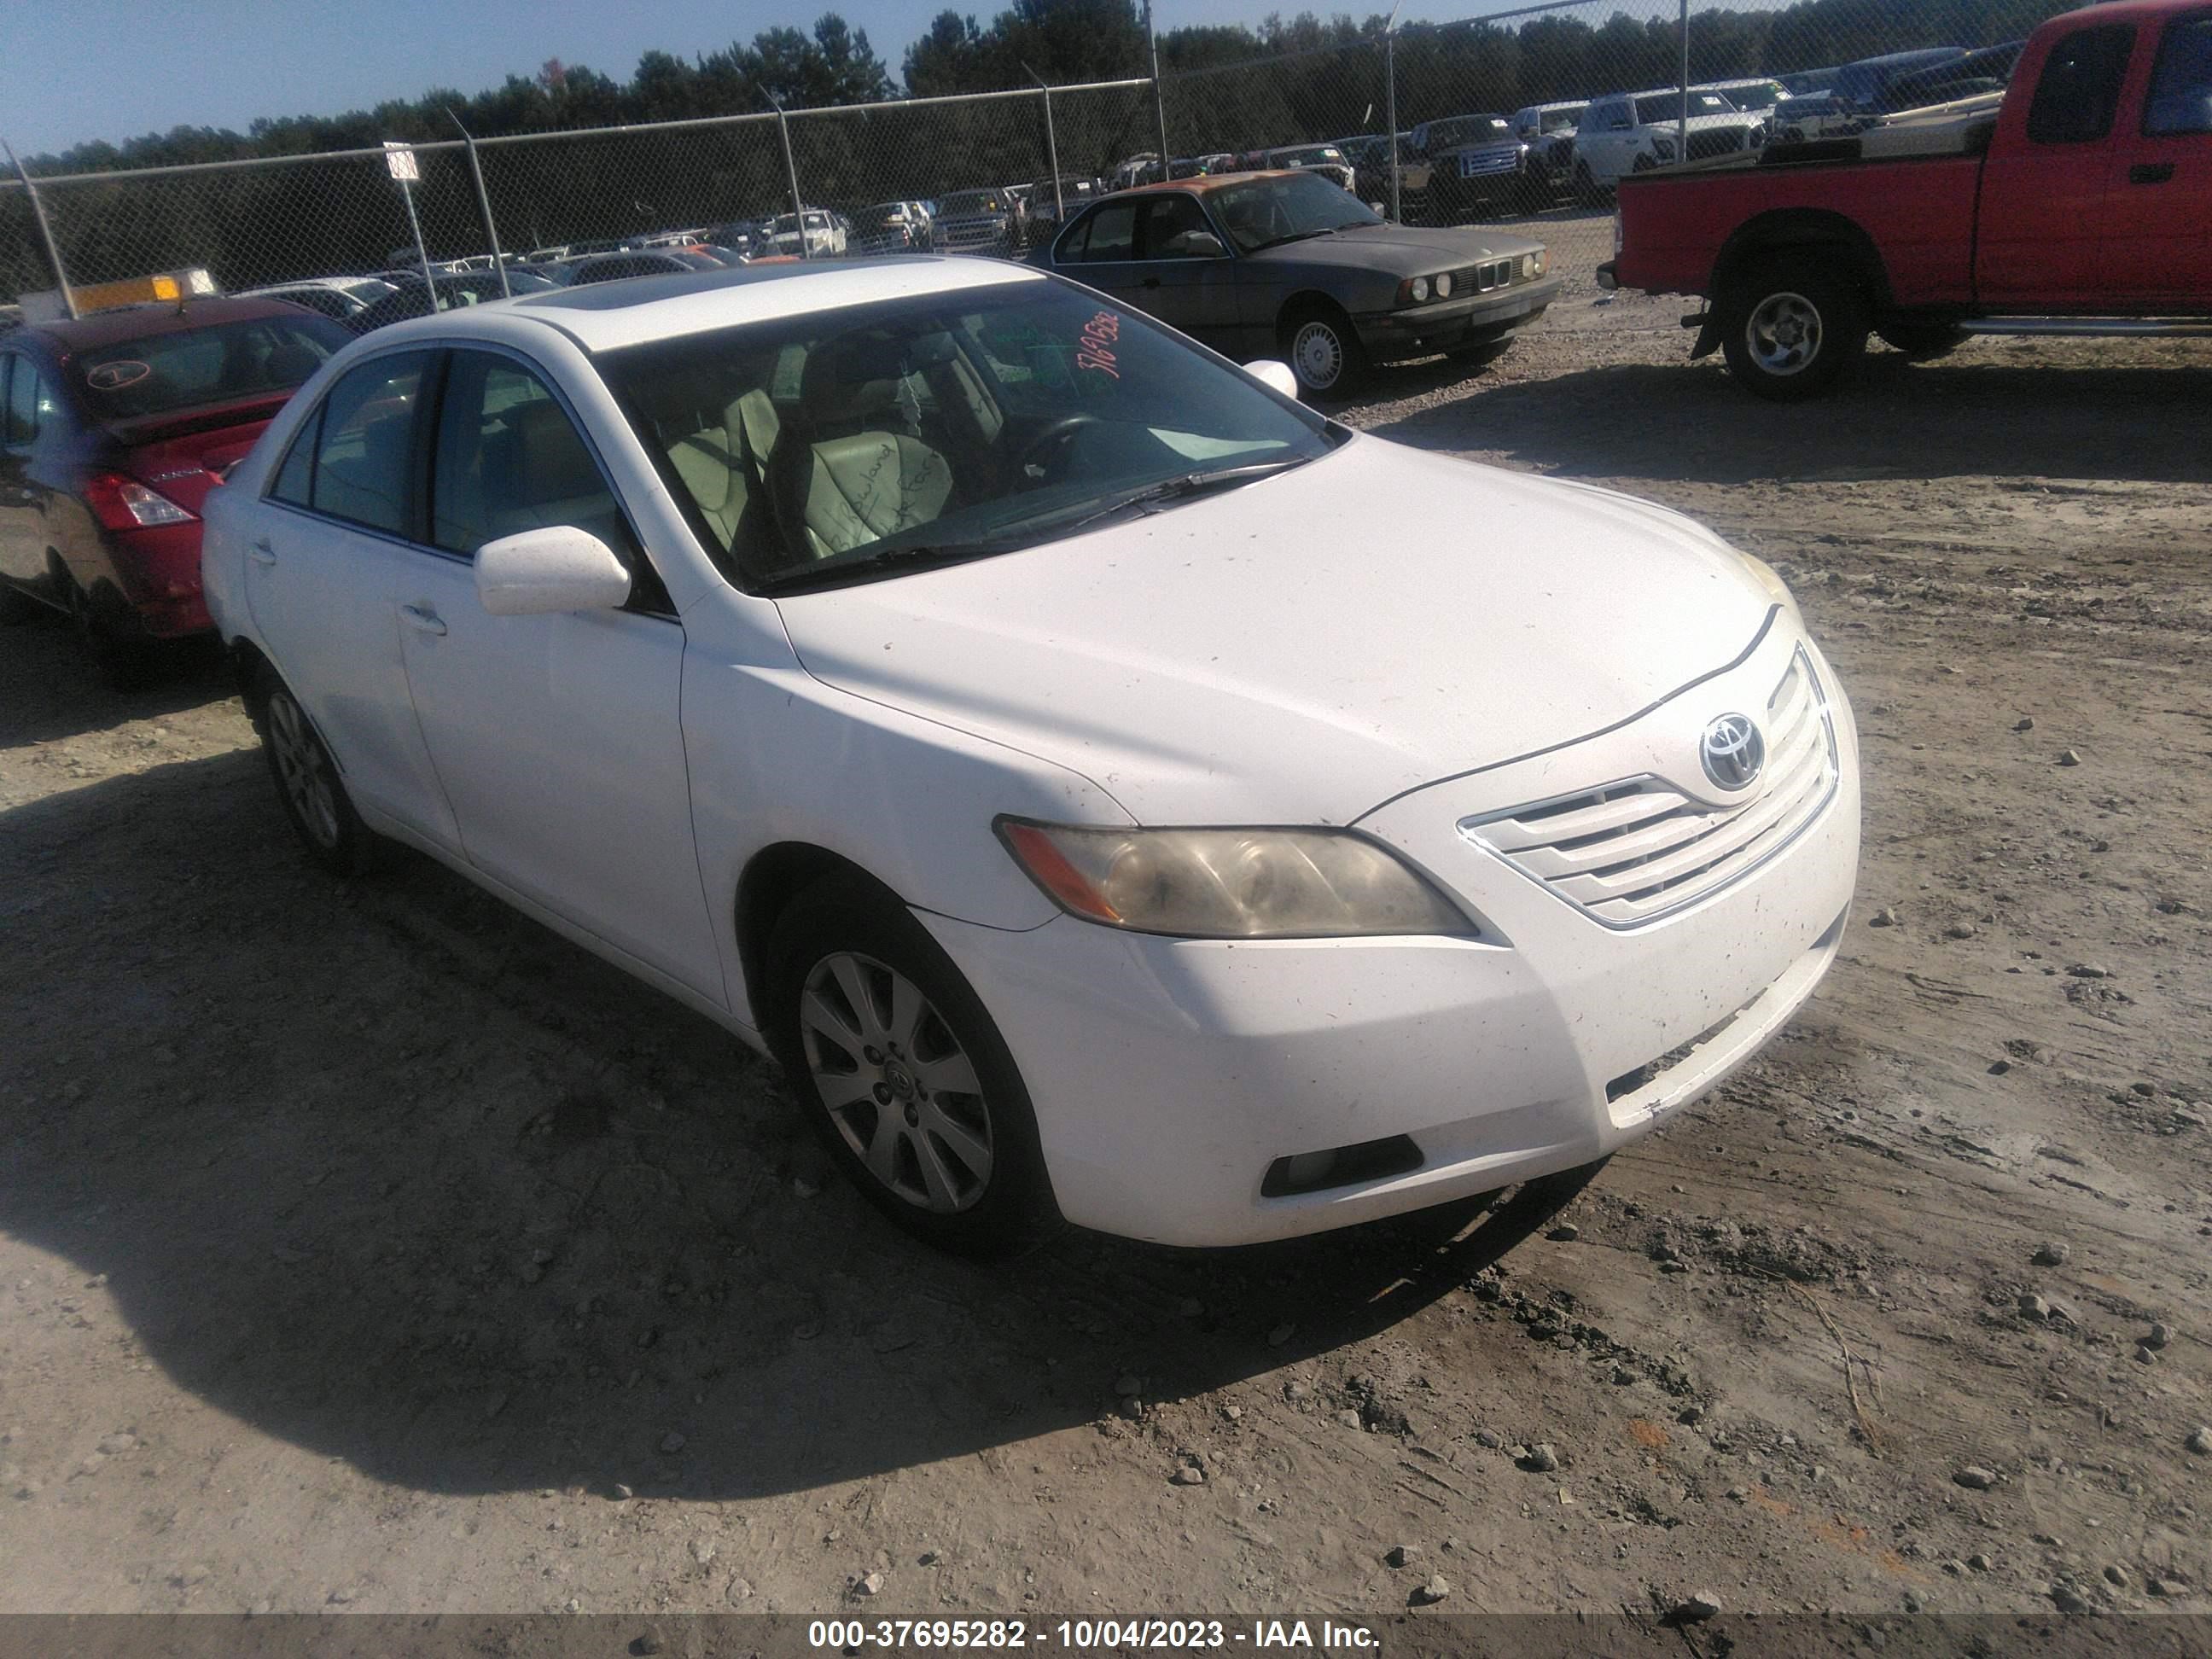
140 322
637 310
1207 183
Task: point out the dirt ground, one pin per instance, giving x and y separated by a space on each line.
370 1247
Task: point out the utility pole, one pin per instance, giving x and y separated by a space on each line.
1159 102
1390 101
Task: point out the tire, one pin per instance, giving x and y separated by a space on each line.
308 786
1791 327
902 1075
1923 343
1322 350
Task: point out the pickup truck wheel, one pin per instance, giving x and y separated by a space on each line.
1923 343
1322 350
1790 327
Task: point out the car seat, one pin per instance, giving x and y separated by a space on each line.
850 469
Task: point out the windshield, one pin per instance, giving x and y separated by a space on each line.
1309 155
224 362
1467 130
1266 212
1662 107
839 445
974 201
1758 98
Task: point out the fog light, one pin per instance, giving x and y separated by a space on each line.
1340 1166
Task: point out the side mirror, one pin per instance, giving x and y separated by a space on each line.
537 572
1274 374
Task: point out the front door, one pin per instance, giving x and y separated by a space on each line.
2158 194
2041 239
1187 276
320 578
557 738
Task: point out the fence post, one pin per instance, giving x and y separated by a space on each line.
1682 134
790 171
1159 100
1390 104
1051 147
483 204
45 231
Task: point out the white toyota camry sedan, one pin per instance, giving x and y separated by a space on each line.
1113 792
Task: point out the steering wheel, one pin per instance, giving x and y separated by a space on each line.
1055 433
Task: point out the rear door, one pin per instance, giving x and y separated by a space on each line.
2042 229
2158 191
557 738
327 552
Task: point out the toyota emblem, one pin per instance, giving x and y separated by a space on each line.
1733 751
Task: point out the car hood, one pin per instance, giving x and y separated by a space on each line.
1401 250
1301 650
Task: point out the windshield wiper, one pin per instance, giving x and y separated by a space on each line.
1182 488
928 555
1295 236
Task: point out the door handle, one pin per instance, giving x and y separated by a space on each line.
2150 173
423 619
263 553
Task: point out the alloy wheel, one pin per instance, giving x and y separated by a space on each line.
304 769
1317 353
896 1083
1784 334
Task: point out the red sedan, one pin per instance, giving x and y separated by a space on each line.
113 428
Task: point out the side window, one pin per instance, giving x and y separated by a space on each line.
1113 234
1071 249
29 403
508 459
2181 100
364 442
2080 91
1172 225
294 479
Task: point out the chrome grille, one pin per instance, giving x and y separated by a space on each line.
1481 163
1631 852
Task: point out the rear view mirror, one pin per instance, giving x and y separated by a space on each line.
536 573
1269 372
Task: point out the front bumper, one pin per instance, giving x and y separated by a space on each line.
1420 331
1169 1075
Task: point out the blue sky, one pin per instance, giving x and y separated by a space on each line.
77 69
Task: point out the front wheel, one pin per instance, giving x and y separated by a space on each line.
1324 352
903 1074
1791 327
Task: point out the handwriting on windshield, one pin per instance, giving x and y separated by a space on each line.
1095 349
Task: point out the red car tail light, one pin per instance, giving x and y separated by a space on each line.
121 503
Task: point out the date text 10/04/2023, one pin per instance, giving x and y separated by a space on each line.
1082 1635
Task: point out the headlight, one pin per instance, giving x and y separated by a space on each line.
1777 589
1420 288
1230 884
1443 286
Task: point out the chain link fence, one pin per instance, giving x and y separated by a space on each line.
999 170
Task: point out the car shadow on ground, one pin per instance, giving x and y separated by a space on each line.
1895 419
49 688
395 1175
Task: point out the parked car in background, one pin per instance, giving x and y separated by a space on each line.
825 235
1635 133
1975 76
410 298
580 654
639 262
1757 96
976 222
1477 165
1261 264
2081 204
1370 156
1326 160
888 228
1053 204
113 428
1549 130
335 297
1142 168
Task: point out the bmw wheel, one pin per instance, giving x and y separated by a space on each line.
901 1073
1322 350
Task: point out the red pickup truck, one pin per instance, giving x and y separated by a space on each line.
2080 204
